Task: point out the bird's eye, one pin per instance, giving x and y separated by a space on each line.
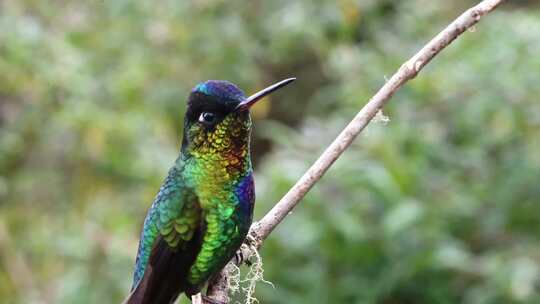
207 117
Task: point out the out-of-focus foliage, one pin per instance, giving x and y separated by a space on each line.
440 205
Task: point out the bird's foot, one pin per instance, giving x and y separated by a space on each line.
250 243
240 258
250 240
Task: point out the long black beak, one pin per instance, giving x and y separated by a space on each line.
251 100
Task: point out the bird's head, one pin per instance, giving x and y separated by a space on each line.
217 117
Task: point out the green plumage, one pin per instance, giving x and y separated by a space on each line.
204 208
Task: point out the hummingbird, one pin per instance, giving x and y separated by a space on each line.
204 207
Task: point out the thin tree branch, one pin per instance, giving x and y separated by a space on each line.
260 230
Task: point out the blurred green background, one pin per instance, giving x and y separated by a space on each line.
440 205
